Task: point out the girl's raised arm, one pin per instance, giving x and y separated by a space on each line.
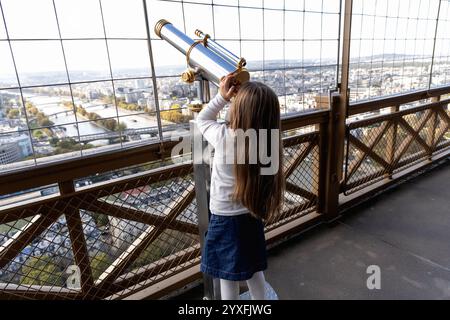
207 118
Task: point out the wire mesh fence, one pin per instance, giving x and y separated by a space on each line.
109 83
85 97
112 237
393 46
301 170
441 57
387 144
134 227
115 237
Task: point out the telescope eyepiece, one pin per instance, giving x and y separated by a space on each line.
198 33
158 26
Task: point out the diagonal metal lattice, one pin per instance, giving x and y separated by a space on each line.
385 145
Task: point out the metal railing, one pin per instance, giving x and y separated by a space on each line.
129 233
137 236
125 236
149 226
389 143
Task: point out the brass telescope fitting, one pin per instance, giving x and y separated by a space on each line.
188 76
211 60
158 26
242 63
242 75
198 33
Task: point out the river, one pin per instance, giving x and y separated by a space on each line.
50 105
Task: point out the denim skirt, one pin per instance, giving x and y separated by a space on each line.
235 247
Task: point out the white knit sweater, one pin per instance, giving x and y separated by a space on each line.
222 178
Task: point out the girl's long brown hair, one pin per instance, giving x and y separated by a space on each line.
256 107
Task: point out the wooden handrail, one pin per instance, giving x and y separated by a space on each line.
396 114
398 99
71 169
45 174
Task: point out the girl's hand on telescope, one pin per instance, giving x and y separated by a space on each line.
228 87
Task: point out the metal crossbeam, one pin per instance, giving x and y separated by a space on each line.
363 155
146 237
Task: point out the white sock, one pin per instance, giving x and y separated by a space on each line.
256 285
229 290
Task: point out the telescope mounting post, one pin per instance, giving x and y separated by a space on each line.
206 61
202 178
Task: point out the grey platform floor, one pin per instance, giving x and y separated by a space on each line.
405 231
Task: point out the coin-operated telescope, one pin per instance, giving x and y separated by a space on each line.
207 61
205 58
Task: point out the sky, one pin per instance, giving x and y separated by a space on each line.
36 19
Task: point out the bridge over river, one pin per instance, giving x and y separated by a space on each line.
128 133
68 111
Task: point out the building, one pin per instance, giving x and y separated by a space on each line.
106 91
14 149
24 144
142 102
322 101
2 110
151 104
123 232
139 83
131 97
92 95
9 152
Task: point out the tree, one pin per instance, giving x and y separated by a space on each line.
92 116
67 104
108 99
122 126
67 143
110 124
33 110
54 141
162 246
28 105
101 220
42 271
47 132
122 104
45 122
38 134
174 114
81 110
99 263
13 113
176 107
149 255
128 106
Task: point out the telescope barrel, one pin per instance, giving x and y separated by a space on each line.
217 48
209 62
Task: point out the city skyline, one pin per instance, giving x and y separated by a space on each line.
94 79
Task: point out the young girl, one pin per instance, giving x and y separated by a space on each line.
240 196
